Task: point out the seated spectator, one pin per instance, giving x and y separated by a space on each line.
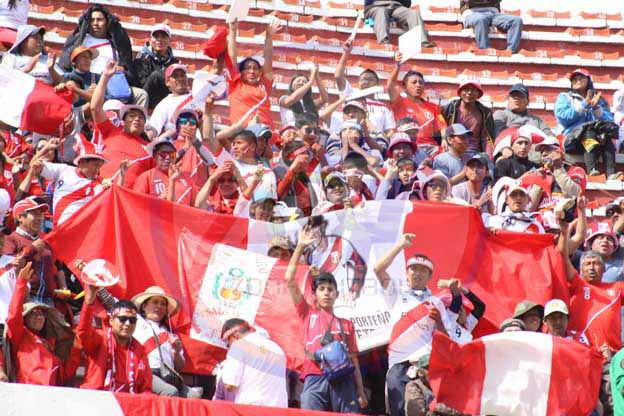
300 99
512 325
410 102
556 318
517 112
255 367
518 164
352 140
166 180
81 81
99 29
601 239
344 394
474 190
378 113
42 343
165 356
436 187
382 11
584 117
531 314
249 89
618 116
176 79
262 205
399 179
115 360
476 117
452 163
402 146
280 247
151 62
336 194
513 215
357 110
481 14
13 14
29 56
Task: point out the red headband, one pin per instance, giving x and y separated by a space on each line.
299 151
234 330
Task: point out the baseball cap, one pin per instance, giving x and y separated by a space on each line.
578 71
161 27
151 148
600 228
174 67
260 130
519 88
28 204
112 105
351 124
457 129
480 158
474 83
80 49
129 107
525 306
354 103
281 241
407 124
421 260
516 186
555 305
397 138
549 141
512 322
334 175
262 195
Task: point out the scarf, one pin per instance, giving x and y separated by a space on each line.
109 380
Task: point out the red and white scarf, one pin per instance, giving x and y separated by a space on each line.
109 380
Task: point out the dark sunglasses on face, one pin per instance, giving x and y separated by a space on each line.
333 185
310 130
124 319
187 120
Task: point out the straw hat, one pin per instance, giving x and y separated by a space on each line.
173 305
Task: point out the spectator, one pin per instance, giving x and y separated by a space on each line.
461 322
99 29
280 247
398 181
602 240
556 318
518 164
115 361
42 343
481 14
336 194
436 187
166 180
352 140
165 355
617 381
151 62
380 116
29 56
401 146
33 184
517 112
13 14
299 99
531 314
345 394
262 205
356 110
475 191
452 163
162 119
585 119
251 87
382 11
263 136
411 103
255 367
81 81
295 186
476 117
513 215
618 116
512 325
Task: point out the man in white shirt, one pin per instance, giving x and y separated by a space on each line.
176 78
514 215
254 368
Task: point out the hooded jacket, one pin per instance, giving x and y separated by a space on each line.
450 115
116 34
571 111
148 72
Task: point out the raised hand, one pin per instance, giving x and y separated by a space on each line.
51 60
407 239
26 272
306 236
110 69
274 27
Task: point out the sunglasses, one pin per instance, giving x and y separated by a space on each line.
124 319
333 185
188 120
310 130
436 185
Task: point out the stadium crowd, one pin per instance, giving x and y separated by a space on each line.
132 125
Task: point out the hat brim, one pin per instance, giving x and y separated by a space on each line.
173 305
83 157
591 237
519 315
477 86
30 306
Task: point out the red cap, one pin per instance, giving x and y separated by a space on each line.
28 204
474 83
172 68
578 71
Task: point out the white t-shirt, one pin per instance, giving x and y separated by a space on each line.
379 114
286 114
269 181
19 62
105 50
257 367
15 17
161 118
459 334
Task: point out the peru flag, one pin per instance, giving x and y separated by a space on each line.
31 105
411 336
517 374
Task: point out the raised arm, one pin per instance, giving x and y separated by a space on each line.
300 92
323 95
208 135
326 113
339 73
382 265
581 227
15 319
97 101
393 89
232 34
563 245
267 68
305 239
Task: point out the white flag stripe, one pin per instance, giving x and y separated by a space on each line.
16 86
519 386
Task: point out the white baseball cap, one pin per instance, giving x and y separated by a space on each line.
161 27
555 305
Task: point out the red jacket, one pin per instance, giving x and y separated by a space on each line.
35 363
95 346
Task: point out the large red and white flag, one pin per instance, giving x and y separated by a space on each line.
31 105
155 242
411 336
517 374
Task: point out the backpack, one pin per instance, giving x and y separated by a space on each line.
333 356
118 88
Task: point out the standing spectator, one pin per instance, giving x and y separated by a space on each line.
517 112
602 240
115 361
531 314
585 119
13 14
295 186
462 323
411 102
514 215
381 11
556 318
165 355
42 343
151 62
99 29
345 394
518 164
254 368
250 88
336 194
453 162
398 181
618 116
481 14
300 99
163 117
474 190
28 55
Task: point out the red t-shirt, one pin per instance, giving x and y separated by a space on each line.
119 145
427 115
243 97
154 182
315 323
